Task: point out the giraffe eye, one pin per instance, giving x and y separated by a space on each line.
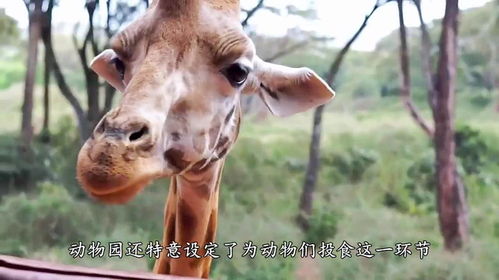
120 67
236 74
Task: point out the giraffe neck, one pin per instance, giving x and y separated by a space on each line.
191 216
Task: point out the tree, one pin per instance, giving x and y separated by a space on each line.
441 87
312 171
47 37
451 200
34 8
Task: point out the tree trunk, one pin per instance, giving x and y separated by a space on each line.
313 166
93 113
47 37
307 196
451 200
35 26
108 101
405 90
46 97
91 78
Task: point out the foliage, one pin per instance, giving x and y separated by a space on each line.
11 71
46 218
12 62
477 69
54 161
418 193
481 98
323 224
471 149
9 32
351 164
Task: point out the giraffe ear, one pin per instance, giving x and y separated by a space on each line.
286 90
103 65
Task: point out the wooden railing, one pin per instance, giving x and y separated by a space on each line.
14 268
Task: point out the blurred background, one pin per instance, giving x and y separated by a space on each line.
367 173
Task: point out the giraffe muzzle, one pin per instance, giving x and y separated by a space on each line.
118 161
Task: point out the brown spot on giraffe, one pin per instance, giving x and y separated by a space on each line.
174 188
229 115
176 158
223 152
204 191
187 220
184 66
222 142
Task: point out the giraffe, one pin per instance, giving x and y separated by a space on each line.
182 68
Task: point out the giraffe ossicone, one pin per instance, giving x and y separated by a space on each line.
182 68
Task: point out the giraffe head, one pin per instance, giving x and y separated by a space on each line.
182 68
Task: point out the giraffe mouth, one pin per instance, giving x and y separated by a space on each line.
120 196
110 177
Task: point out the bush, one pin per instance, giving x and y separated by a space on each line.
11 72
54 161
417 195
49 218
350 165
471 149
323 225
17 173
482 98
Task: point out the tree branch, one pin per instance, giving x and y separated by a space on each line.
81 50
91 78
405 89
335 66
426 61
252 12
27 3
108 101
91 5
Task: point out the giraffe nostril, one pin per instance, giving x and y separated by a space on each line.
137 135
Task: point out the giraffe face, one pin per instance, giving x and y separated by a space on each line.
182 69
